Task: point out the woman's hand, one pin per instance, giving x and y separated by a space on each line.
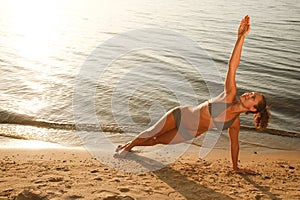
244 171
244 27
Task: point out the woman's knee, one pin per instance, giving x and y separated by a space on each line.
157 140
151 142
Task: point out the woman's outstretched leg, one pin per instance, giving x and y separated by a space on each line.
169 137
146 138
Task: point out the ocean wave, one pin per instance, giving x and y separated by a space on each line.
7 117
274 132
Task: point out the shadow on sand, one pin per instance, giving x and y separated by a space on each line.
261 188
186 187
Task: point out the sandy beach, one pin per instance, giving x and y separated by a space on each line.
75 174
98 73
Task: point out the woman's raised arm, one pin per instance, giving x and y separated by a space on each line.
230 84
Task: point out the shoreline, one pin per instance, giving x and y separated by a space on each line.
68 173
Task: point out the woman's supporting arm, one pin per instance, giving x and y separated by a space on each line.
230 83
234 147
234 143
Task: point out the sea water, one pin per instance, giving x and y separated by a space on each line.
44 47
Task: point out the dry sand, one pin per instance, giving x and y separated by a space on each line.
74 174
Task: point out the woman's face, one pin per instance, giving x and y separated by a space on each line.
250 99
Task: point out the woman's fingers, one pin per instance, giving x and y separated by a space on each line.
249 171
245 20
244 27
245 171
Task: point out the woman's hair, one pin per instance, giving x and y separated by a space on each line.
262 115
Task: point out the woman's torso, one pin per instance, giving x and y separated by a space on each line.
214 113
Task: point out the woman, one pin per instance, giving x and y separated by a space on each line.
186 122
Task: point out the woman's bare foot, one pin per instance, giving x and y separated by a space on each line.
123 150
121 154
120 147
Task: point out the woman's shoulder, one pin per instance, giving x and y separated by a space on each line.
223 98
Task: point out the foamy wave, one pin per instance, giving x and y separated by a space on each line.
7 117
274 132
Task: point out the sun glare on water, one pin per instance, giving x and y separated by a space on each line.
35 25
38 35
41 29
34 36
42 25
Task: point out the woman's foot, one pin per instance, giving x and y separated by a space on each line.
123 150
121 154
120 147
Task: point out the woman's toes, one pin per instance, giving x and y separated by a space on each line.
118 148
121 154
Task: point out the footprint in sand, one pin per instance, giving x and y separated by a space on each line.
111 195
55 179
116 197
124 190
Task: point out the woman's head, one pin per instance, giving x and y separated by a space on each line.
257 105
